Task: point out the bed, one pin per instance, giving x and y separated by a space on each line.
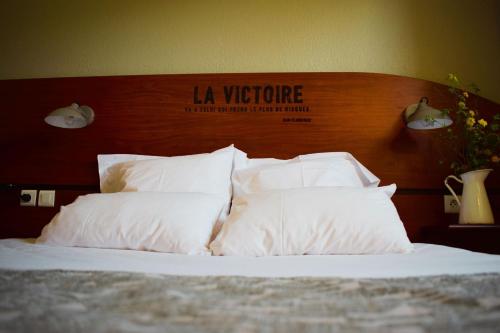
58 288
434 289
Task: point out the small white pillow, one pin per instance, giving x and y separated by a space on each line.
106 161
152 221
332 171
318 220
209 173
188 173
344 168
366 176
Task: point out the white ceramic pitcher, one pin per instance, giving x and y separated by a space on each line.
474 206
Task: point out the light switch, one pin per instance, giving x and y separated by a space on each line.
28 198
46 198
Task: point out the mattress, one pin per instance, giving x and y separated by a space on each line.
425 260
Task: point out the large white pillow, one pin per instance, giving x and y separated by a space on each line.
348 171
318 220
152 221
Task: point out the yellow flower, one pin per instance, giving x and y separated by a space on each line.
472 113
470 121
483 122
495 159
461 105
466 94
452 77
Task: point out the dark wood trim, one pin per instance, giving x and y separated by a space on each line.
481 238
400 191
94 188
434 191
494 226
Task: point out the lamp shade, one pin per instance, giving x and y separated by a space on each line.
73 116
421 116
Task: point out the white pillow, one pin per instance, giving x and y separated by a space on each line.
152 221
319 220
343 164
332 171
366 176
106 161
180 173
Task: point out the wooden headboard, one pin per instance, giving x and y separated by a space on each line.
267 115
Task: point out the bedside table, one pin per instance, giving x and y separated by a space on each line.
474 237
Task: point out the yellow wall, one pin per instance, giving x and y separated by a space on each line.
419 38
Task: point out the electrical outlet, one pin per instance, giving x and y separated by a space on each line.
27 198
451 206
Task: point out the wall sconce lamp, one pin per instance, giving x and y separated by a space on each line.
73 116
421 116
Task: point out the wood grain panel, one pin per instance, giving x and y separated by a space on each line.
355 112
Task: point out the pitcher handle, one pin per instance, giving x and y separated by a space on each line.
450 189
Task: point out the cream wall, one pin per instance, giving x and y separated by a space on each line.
418 38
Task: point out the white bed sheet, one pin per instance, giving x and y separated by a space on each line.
427 259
